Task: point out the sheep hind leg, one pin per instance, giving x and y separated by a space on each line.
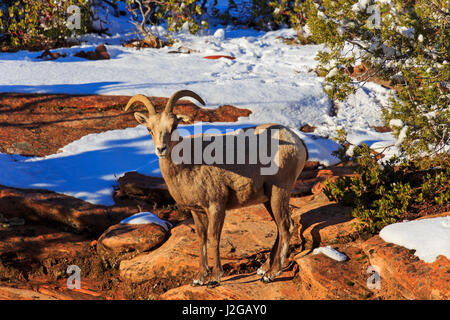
266 266
216 217
201 227
279 202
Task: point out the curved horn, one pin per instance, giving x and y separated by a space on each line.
141 98
180 94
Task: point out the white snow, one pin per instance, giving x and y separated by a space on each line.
331 253
428 237
219 34
401 136
271 78
147 218
396 123
361 5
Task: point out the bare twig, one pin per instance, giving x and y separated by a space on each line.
141 26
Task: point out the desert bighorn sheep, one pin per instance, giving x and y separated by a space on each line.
210 189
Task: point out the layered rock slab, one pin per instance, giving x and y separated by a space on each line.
319 221
42 205
240 287
122 241
321 277
404 274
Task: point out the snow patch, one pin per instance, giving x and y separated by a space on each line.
428 237
147 218
360 6
219 34
401 136
331 253
396 123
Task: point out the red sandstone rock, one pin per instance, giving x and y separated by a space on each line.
403 274
42 205
48 55
10 293
311 165
134 184
128 237
38 243
219 56
312 180
100 53
67 294
240 287
330 174
246 233
320 277
35 256
307 128
155 43
319 221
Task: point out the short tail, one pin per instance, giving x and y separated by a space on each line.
306 149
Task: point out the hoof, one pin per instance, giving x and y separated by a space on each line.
260 272
196 283
213 284
266 279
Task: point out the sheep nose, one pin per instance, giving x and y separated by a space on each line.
161 150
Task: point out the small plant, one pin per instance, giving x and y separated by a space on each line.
275 14
261 14
40 23
289 12
177 14
384 193
405 44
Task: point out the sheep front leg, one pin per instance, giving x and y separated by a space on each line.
216 217
201 227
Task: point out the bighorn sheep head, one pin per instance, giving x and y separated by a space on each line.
161 126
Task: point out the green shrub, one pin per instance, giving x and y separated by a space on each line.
383 194
261 14
28 23
405 43
271 15
289 12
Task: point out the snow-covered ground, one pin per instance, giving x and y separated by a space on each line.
269 77
273 79
428 237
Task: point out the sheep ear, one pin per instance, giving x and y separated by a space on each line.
140 118
183 118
